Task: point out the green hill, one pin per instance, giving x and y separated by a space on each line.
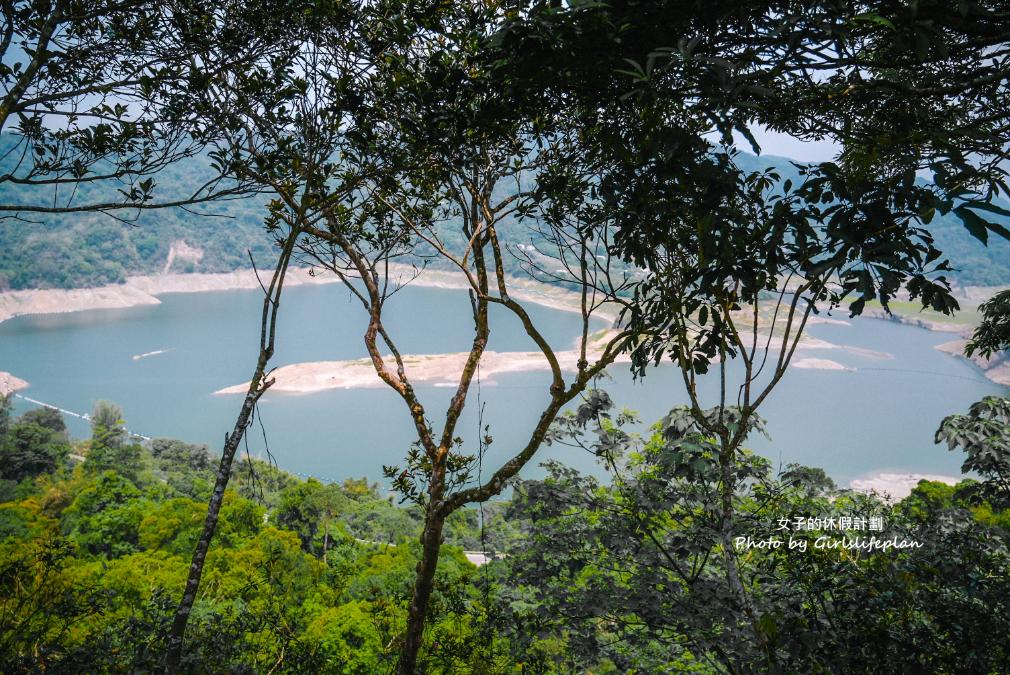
90 249
975 264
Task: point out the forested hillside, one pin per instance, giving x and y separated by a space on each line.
78 250
96 535
81 250
974 264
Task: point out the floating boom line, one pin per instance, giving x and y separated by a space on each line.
84 416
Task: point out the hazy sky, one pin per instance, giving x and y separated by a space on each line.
773 143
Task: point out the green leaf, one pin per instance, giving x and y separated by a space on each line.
977 226
991 208
870 17
998 228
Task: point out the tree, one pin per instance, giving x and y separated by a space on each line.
107 425
435 148
46 603
266 113
105 517
111 448
329 97
815 480
347 638
446 168
992 335
984 436
178 453
257 387
309 509
6 405
629 573
30 449
738 260
47 417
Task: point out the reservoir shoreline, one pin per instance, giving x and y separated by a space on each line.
10 384
144 289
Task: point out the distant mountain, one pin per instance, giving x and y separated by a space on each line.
92 249
975 264
86 250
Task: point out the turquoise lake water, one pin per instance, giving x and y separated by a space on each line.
879 417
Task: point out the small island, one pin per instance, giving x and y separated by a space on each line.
432 369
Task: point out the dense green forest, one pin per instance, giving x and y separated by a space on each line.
96 537
82 250
587 576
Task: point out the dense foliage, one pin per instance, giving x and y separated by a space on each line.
303 575
89 98
624 575
632 574
974 265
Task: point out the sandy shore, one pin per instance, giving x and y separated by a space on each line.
996 368
809 342
10 384
819 364
137 291
143 290
918 322
897 486
445 369
432 369
815 320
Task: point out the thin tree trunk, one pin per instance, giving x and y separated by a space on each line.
727 493
431 540
441 506
175 638
727 458
257 386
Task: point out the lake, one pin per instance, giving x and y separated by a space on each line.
880 416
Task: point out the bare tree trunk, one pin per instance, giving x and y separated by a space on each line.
257 386
174 655
727 493
431 540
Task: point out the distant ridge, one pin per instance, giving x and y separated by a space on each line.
90 250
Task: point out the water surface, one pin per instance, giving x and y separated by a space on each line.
880 416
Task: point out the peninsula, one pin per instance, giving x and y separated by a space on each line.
10 384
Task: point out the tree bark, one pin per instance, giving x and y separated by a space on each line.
431 541
173 657
727 493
